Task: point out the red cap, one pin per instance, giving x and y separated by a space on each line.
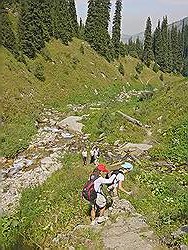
102 168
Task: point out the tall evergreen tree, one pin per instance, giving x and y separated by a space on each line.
185 40
174 38
30 28
132 48
116 29
157 45
170 55
90 24
148 53
139 48
7 38
46 19
73 16
165 47
180 50
62 21
177 49
81 30
96 28
185 50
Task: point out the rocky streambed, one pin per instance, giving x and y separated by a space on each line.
56 136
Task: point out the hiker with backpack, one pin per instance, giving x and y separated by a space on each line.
93 193
119 178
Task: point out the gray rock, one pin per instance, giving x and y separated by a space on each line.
72 123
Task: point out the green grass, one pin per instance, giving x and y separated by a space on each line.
54 208
70 77
162 198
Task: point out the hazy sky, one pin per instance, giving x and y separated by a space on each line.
135 12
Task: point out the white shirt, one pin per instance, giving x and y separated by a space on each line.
119 177
100 181
84 153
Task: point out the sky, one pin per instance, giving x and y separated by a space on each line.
135 12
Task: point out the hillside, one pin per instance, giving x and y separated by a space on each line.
70 77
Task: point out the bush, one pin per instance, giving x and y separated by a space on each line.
161 77
46 54
39 72
82 49
136 76
139 67
155 68
121 69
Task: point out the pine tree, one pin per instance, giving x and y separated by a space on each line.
185 50
132 48
180 51
157 45
46 19
31 28
139 48
165 46
96 28
8 38
90 24
148 53
73 16
123 49
177 49
81 29
185 41
170 55
62 21
116 29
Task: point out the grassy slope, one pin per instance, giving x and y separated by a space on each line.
66 76
71 77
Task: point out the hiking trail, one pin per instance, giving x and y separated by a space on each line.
58 134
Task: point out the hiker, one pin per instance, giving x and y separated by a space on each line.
96 155
97 198
92 154
84 156
120 177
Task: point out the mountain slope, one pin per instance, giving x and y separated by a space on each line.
70 77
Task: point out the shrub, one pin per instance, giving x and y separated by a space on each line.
46 54
161 77
82 49
121 69
155 68
136 76
39 72
139 67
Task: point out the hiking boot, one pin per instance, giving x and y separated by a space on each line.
101 219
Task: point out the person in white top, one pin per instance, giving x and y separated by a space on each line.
100 202
92 154
96 155
120 177
84 156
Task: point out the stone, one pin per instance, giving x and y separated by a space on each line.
67 135
134 146
72 123
183 247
